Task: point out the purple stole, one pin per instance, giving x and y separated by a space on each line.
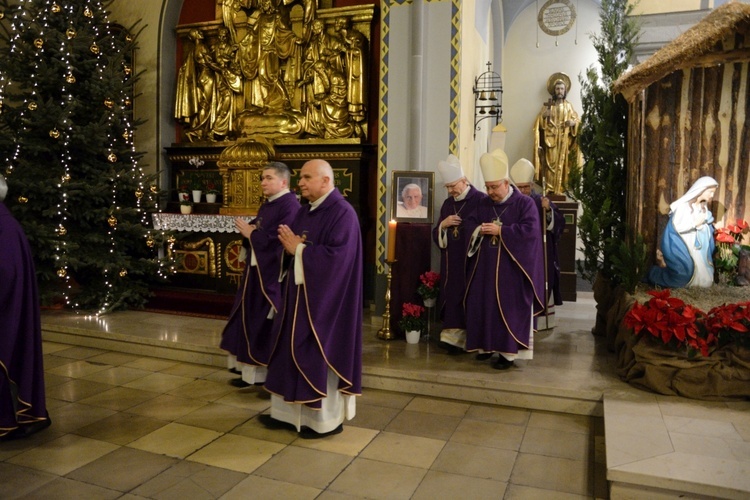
506 278
320 326
453 258
248 332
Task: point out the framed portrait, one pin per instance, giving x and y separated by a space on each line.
411 196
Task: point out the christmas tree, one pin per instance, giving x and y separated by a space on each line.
66 138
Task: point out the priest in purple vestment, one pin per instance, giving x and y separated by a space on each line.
23 408
451 236
248 334
316 366
522 175
505 281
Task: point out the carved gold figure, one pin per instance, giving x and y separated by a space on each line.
273 69
555 132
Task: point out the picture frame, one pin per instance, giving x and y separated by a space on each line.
421 210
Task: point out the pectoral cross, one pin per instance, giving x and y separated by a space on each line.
498 223
455 232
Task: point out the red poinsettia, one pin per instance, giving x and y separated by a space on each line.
729 323
666 318
677 324
429 285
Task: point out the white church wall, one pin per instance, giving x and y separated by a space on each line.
399 101
527 67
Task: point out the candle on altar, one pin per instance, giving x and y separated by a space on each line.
391 256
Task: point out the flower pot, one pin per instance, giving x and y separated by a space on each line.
186 209
197 195
182 195
210 198
430 302
412 336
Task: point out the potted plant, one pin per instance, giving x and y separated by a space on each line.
429 287
211 192
728 247
197 188
184 188
186 204
412 323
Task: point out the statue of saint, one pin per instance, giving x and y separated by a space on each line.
329 116
355 67
268 43
227 84
195 89
555 132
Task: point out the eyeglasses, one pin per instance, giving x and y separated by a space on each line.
453 184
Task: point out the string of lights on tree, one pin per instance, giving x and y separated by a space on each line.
80 91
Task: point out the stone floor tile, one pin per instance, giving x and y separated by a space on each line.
561 421
438 406
121 428
175 440
63 455
64 488
236 453
19 482
556 443
476 461
378 480
190 480
444 485
551 473
373 417
489 434
118 398
77 389
167 407
401 449
415 423
141 466
313 468
261 487
217 417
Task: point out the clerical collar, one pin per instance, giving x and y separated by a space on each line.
278 195
461 196
510 192
315 204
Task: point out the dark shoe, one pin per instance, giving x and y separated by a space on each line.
271 423
451 349
27 430
483 356
235 371
502 363
307 433
238 382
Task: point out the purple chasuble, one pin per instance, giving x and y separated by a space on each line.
248 332
553 237
320 327
505 278
453 258
22 399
